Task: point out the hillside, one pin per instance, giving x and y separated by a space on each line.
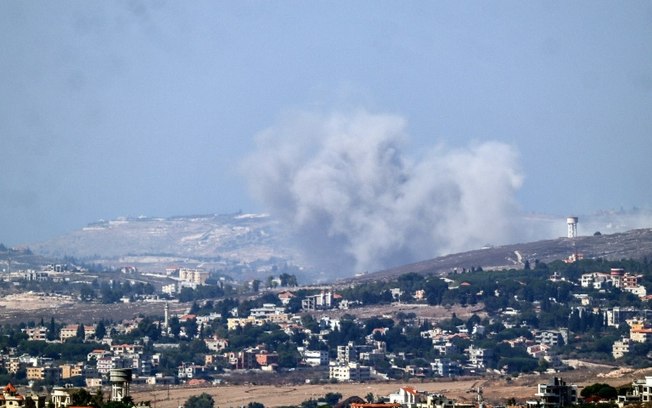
212 241
14 259
632 244
252 245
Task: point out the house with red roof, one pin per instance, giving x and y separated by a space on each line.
406 396
10 397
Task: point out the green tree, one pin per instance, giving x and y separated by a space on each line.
203 400
52 330
309 403
100 330
255 285
175 326
81 332
254 404
98 399
118 404
191 327
600 390
332 398
81 398
86 293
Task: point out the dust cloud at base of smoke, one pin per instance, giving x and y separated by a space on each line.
355 201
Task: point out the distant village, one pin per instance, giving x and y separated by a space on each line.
207 330
458 349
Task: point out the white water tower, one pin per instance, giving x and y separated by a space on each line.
119 379
572 226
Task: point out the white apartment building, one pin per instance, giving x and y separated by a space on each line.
349 372
620 347
315 358
322 300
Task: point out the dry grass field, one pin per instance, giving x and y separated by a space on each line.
23 307
495 390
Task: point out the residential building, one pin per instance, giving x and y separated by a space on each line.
638 290
97 353
206 319
640 332
556 394
10 398
71 370
641 391
479 357
315 358
216 344
551 337
265 359
617 275
621 347
406 396
169 289
438 401
233 323
105 364
351 352
616 316
349 372
595 280
243 360
119 349
189 370
38 333
396 293
419 294
444 367
13 365
285 297
538 351
40 276
193 276
43 373
445 348
70 331
94 382
267 310
322 300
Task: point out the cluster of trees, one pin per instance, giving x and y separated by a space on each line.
205 292
599 391
286 279
205 400
83 398
112 292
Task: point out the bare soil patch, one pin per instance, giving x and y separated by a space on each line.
30 306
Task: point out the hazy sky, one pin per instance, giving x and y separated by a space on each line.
149 108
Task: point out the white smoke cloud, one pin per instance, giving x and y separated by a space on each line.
355 202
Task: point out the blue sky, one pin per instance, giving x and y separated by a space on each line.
149 108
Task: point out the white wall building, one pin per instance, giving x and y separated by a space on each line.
349 372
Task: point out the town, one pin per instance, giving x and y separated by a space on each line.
208 330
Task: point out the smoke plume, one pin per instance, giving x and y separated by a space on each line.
355 202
